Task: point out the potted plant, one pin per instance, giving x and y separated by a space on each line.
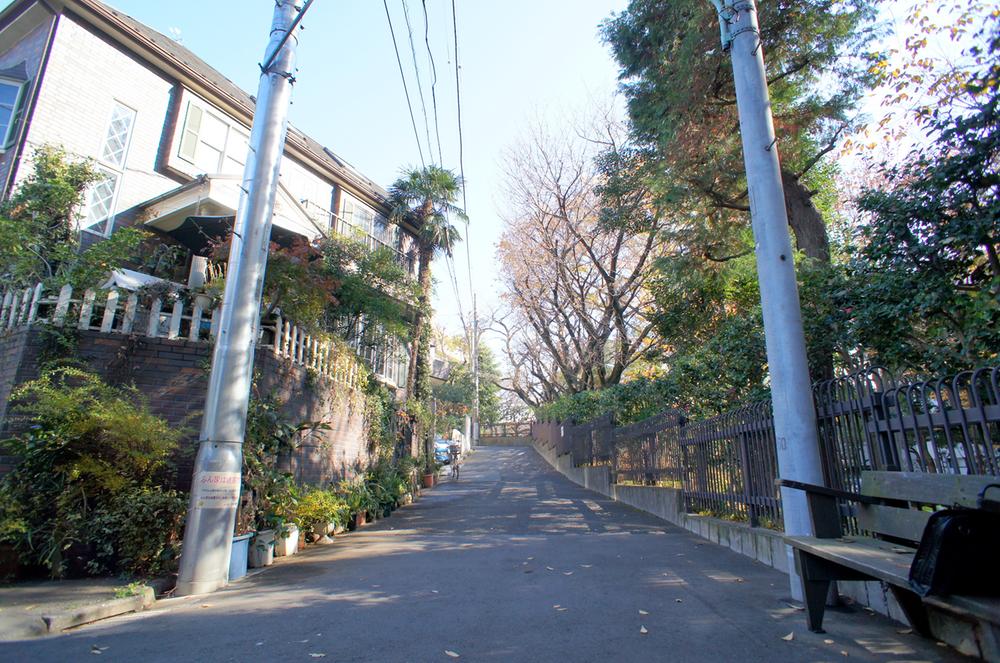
287 542
261 551
319 511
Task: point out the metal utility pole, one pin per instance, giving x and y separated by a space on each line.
475 372
791 389
215 488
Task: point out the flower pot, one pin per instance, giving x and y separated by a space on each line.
320 531
238 556
357 521
427 480
288 544
261 549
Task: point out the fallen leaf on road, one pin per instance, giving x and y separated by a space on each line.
434 591
678 600
643 612
795 607
642 629
567 573
306 640
828 642
316 655
206 605
530 558
561 609
843 652
789 637
740 580
586 566
451 653
905 631
260 644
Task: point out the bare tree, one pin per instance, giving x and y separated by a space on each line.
575 297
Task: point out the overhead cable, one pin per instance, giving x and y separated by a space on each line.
416 69
406 91
434 103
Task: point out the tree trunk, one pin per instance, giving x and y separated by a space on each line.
805 220
418 348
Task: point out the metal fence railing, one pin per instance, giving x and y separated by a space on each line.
506 429
726 465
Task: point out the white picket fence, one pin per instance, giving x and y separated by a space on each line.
173 317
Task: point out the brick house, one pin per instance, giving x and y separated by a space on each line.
169 134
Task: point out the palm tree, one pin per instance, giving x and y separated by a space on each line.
426 197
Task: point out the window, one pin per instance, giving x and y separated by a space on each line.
100 207
119 131
210 143
10 102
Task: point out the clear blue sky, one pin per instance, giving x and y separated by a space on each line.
520 59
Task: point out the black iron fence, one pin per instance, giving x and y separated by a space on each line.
726 465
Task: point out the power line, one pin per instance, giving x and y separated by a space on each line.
406 91
461 149
430 56
416 69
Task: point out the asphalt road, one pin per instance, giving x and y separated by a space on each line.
511 563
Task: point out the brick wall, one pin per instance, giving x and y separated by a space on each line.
172 376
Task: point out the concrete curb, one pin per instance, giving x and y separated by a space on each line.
60 621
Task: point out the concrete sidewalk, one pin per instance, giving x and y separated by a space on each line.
44 607
512 562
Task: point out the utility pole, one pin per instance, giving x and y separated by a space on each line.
475 372
791 389
215 488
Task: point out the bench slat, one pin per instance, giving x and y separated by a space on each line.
871 557
901 523
926 488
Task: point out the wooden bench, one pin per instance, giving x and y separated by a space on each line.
892 507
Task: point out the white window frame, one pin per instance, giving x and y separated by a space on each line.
8 136
232 127
118 170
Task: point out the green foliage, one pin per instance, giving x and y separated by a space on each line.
425 198
380 415
923 288
456 396
320 506
38 236
39 240
91 267
87 444
372 285
139 532
270 495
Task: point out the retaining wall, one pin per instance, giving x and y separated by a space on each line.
172 376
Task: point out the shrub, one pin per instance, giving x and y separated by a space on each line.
320 506
86 445
139 532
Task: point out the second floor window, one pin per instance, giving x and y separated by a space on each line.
211 143
11 92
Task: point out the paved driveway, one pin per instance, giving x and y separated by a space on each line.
511 563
